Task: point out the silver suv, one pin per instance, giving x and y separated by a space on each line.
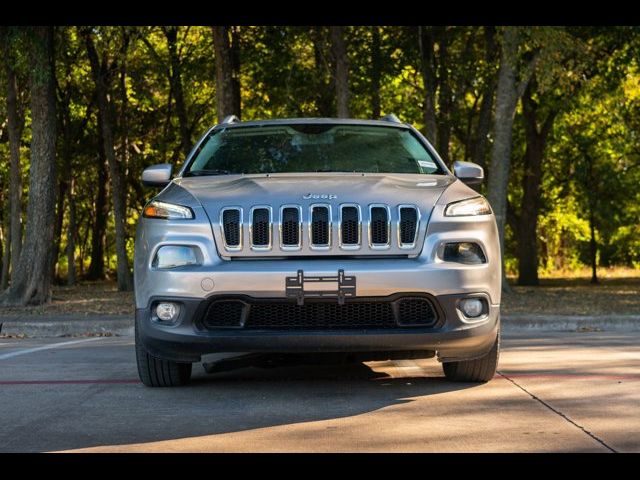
311 236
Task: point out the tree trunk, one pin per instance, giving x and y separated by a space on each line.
71 232
63 184
99 226
235 68
123 120
6 253
15 127
528 220
593 246
31 283
507 96
444 98
175 82
592 199
105 110
323 96
341 70
376 72
479 150
536 139
57 230
227 77
427 55
82 240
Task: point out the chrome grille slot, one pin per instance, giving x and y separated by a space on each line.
379 226
408 217
231 219
320 233
290 227
261 228
350 226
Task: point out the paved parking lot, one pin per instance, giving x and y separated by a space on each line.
556 392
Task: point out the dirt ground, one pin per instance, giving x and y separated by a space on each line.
618 292
86 298
575 296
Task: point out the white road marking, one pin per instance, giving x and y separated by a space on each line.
4 356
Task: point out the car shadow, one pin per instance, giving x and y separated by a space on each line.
245 399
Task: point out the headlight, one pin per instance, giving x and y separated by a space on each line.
167 211
472 206
172 256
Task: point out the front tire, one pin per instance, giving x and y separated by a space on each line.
479 370
155 372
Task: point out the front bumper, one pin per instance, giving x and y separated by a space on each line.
445 282
453 338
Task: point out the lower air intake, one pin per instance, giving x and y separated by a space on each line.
279 314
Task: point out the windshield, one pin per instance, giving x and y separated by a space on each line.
311 148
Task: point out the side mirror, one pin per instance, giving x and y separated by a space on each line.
469 173
157 175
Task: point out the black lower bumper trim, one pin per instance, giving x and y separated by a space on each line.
452 338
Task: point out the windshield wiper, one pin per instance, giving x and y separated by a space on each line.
199 173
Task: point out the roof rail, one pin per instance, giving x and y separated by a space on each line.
230 119
390 117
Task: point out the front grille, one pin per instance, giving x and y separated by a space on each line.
280 314
290 227
408 225
350 226
231 226
261 228
320 233
297 230
379 226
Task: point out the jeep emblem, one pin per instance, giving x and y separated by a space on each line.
318 196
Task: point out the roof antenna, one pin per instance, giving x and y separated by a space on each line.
390 117
230 119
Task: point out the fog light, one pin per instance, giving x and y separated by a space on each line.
471 307
464 252
172 256
167 311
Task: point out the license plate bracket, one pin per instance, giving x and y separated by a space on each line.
294 287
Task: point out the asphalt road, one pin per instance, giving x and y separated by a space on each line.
556 392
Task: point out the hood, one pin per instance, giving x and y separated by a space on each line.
216 192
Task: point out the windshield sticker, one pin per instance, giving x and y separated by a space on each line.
426 164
